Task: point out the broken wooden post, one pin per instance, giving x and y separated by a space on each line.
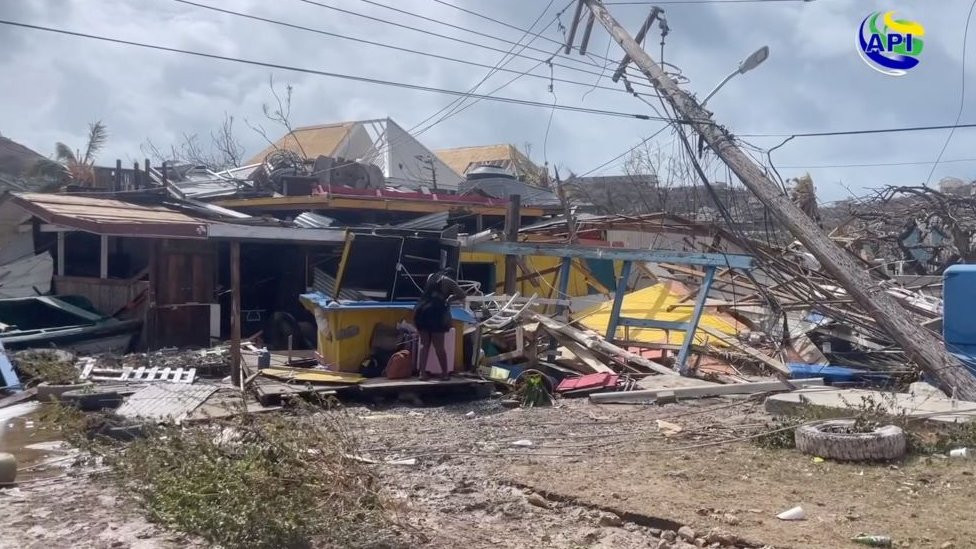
512 222
920 345
235 313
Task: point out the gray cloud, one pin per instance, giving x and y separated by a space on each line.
813 80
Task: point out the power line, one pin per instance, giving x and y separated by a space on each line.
679 2
492 19
860 132
444 36
516 27
962 94
472 31
879 164
625 153
365 79
453 106
373 43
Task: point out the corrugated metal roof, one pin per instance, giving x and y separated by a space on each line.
166 401
323 283
309 141
110 216
434 221
309 220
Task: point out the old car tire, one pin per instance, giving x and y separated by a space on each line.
824 440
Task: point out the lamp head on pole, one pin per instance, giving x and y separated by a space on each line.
754 60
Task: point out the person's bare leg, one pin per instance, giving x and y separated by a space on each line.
424 353
437 341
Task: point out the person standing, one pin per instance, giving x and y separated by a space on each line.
432 318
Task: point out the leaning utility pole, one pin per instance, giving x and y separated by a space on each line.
921 346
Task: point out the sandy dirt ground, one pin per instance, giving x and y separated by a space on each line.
573 476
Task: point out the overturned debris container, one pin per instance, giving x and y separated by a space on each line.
350 332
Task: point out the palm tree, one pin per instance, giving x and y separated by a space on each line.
72 166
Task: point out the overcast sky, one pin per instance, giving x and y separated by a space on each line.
814 80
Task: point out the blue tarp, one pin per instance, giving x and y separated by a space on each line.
834 374
326 302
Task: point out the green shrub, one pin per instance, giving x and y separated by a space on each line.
260 481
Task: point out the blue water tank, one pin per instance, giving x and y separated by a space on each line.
959 308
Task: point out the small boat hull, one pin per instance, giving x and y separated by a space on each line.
81 330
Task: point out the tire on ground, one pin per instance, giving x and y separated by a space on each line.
821 439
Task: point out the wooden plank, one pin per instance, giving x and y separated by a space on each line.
17 398
235 312
582 353
595 343
704 391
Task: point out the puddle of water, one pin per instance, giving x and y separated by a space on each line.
39 452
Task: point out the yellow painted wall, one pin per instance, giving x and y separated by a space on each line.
346 342
655 303
577 283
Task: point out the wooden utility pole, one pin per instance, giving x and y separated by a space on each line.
513 219
921 346
235 313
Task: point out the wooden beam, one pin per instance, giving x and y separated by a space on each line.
103 257
61 237
596 343
150 329
235 312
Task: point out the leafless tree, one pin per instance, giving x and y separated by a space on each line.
223 152
278 113
928 228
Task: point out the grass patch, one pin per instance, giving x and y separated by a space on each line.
50 365
256 481
260 481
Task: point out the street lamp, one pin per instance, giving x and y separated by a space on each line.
750 63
